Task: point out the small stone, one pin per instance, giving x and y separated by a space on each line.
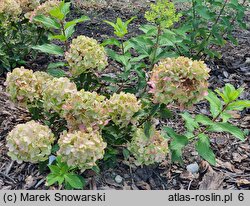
225 74
118 179
193 168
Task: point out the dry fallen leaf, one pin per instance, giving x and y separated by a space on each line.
242 182
212 181
143 185
238 158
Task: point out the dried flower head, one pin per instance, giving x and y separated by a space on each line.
30 142
21 85
43 9
81 149
179 80
57 91
42 79
84 55
162 13
10 10
28 5
122 107
85 109
148 150
26 87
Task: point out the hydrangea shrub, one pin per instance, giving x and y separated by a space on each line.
84 55
85 109
57 91
81 149
180 80
148 150
122 107
30 142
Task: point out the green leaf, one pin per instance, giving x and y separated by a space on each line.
56 13
147 126
177 144
52 179
190 123
65 8
203 148
50 49
59 37
215 103
74 181
204 120
69 31
96 169
76 21
125 153
56 65
232 93
164 112
54 169
227 127
111 41
239 105
56 73
47 21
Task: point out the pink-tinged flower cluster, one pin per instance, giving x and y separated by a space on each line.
179 80
30 142
55 94
85 109
148 150
43 9
25 86
81 149
86 55
122 107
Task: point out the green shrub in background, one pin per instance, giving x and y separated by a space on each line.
209 23
17 34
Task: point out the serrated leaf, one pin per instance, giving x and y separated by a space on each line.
59 37
54 169
239 105
177 144
69 31
225 116
227 127
111 41
74 181
52 179
76 21
56 12
50 49
190 122
56 73
215 103
56 65
47 21
203 148
65 8
204 120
